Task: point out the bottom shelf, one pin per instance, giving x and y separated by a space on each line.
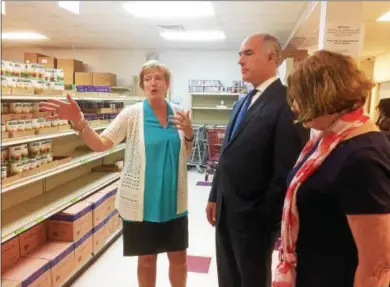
22 217
92 259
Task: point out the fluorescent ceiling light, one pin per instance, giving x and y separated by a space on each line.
170 9
193 35
3 7
22 36
71 6
384 18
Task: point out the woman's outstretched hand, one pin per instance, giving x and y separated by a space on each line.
182 121
65 110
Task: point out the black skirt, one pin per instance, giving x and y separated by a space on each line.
146 238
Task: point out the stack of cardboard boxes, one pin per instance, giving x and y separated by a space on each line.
95 79
73 70
47 254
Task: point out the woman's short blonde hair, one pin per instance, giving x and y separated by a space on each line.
150 65
327 83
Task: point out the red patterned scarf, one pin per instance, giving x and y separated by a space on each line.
285 275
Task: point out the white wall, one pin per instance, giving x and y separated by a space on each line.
382 68
384 91
184 65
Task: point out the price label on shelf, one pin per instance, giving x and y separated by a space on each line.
74 200
20 230
39 219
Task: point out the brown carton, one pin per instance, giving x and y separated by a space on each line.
48 62
110 193
61 258
70 67
83 249
110 226
28 272
104 79
118 221
99 236
32 239
99 207
10 253
32 58
83 78
72 223
10 283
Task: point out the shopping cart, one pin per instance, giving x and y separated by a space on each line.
215 137
196 159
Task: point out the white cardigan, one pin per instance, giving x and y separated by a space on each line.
130 197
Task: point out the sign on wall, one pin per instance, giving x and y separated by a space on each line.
346 39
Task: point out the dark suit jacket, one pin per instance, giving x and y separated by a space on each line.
250 180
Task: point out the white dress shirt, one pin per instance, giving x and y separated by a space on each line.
262 87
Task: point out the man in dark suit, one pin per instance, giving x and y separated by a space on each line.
262 144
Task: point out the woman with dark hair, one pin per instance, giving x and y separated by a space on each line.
383 121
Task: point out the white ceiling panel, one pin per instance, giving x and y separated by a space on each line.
376 34
107 24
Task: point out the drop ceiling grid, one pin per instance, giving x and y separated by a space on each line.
108 25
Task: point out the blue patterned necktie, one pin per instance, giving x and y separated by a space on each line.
243 111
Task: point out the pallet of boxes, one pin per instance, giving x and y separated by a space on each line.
51 252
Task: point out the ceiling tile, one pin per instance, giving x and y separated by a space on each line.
107 23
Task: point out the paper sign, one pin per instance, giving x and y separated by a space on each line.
345 39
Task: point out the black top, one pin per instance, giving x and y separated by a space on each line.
353 179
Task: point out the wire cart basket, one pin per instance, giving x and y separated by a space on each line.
215 137
199 150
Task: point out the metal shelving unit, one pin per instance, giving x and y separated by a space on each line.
21 140
75 96
216 94
76 161
93 257
34 211
212 108
30 200
12 193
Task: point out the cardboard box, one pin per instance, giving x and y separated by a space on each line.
83 249
32 239
111 220
10 283
28 272
99 236
118 221
70 67
10 253
110 194
32 58
48 62
83 78
99 207
104 79
72 223
61 259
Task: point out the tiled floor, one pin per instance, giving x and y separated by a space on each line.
112 269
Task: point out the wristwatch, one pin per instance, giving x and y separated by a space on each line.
83 123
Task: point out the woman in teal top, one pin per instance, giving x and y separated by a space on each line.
162 229
162 146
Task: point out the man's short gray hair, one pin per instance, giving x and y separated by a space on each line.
272 46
